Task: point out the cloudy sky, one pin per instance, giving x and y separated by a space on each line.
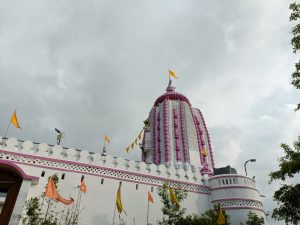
96 67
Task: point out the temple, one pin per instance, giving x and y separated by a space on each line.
175 148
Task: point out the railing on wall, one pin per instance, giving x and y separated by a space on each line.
231 180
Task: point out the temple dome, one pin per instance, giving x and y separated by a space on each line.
171 94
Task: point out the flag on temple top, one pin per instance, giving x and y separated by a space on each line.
119 200
150 197
174 198
221 218
203 152
14 120
52 193
106 139
82 186
172 74
127 149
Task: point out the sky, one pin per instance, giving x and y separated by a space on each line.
91 68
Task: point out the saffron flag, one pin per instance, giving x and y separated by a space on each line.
127 149
203 152
140 135
135 141
172 74
221 218
150 197
52 193
119 200
82 186
14 120
174 198
132 145
106 139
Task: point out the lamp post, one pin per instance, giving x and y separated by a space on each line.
245 165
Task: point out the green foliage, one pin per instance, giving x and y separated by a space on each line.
253 219
295 15
207 218
32 207
288 196
171 214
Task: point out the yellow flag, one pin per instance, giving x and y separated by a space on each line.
172 74
119 200
135 141
106 139
140 135
14 120
174 198
132 145
203 152
127 149
221 218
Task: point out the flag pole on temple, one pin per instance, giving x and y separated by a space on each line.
149 199
14 121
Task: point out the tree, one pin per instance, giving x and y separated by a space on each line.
295 15
253 219
288 196
171 214
207 218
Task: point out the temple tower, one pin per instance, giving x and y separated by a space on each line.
176 134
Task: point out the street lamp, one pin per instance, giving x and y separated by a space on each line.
250 160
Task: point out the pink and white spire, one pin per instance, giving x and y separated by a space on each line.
177 134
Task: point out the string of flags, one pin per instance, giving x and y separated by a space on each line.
135 142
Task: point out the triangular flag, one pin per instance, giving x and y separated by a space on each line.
221 218
82 186
127 149
50 191
203 152
174 198
135 141
150 197
14 120
106 139
172 74
132 145
140 135
119 200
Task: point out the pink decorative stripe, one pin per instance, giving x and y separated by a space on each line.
231 176
158 139
154 134
235 199
237 186
208 138
166 131
198 132
18 169
143 145
182 126
243 207
177 148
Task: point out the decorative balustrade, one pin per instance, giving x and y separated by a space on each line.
231 180
81 161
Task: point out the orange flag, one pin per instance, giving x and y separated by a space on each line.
51 192
14 120
83 186
150 197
